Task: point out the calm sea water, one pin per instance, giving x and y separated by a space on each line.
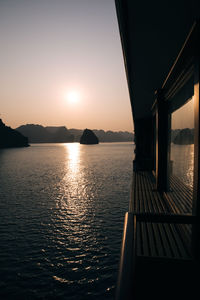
62 209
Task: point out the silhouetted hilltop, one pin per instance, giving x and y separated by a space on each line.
53 134
10 138
60 134
114 136
184 137
89 137
105 136
50 134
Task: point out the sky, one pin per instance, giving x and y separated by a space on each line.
61 64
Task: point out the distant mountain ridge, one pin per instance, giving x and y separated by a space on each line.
105 136
50 134
60 134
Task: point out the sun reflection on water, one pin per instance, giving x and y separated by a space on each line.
74 197
73 158
77 231
70 185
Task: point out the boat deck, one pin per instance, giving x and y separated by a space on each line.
164 237
145 197
158 233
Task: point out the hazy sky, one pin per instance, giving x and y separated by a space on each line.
50 48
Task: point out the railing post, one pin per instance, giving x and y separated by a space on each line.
162 142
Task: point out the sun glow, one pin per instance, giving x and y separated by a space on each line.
73 97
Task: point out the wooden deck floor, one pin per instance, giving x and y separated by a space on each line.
161 239
157 242
145 197
180 197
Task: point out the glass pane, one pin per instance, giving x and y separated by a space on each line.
181 164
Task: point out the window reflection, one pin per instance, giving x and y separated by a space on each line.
181 164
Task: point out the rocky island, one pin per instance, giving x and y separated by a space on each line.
89 138
10 138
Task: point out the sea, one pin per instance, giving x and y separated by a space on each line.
62 210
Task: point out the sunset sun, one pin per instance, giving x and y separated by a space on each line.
73 97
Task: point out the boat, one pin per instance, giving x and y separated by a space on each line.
160 250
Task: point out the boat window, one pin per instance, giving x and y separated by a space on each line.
181 158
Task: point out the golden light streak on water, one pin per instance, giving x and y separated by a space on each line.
73 157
